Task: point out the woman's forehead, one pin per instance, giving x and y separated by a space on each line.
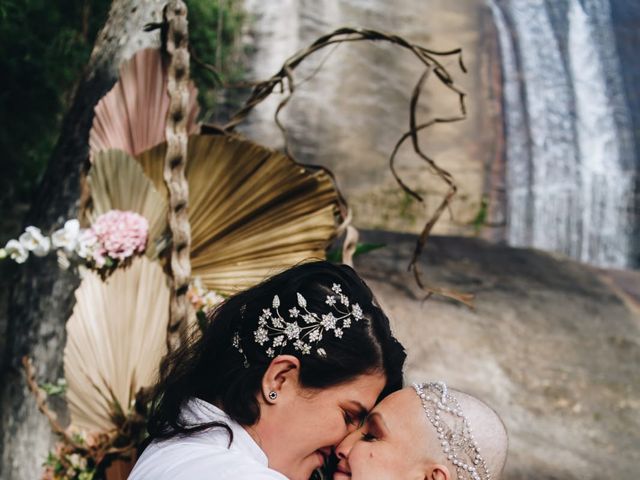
363 390
401 410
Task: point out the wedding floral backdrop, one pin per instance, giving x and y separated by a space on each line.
196 158
173 217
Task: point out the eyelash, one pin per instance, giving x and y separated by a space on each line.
367 437
349 420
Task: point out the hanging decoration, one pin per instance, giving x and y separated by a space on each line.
178 217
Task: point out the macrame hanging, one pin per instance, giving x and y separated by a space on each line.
174 170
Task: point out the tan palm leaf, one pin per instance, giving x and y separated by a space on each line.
132 116
115 340
117 182
253 211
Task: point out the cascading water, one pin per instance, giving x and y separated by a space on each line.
570 153
569 148
607 186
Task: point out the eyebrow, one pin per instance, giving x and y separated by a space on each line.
362 410
360 406
377 417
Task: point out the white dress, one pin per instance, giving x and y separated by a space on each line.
205 455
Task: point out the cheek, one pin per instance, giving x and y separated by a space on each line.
319 428
363 460
375 460
328 429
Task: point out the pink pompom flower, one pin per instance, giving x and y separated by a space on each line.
120 234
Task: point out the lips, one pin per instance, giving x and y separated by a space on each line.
342 472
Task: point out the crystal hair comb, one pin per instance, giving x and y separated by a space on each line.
303 328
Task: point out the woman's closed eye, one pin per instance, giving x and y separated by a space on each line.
354 418
374 428
368 437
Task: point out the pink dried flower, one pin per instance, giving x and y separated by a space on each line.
48 473
120 235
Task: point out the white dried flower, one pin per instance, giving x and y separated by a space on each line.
67 236
63 260
87 244
33 240
16 251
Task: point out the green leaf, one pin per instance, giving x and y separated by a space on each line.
202 319
58 388
335 255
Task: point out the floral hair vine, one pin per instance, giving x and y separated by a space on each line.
303 329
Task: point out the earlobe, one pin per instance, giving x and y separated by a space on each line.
438 472
282 373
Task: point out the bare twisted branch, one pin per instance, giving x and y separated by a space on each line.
283 81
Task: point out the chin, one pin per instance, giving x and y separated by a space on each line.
303 473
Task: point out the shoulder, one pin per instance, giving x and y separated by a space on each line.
187 460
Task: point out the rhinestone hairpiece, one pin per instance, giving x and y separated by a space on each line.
303 329
455 435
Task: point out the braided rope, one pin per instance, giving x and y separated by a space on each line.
174 169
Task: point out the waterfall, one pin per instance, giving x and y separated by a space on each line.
517 136
569 146
607 185
569 153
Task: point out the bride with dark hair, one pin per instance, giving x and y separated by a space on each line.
280 375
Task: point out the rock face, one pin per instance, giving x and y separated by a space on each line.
552 345
349 114
548 154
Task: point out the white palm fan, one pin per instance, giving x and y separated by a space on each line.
116 337
117 182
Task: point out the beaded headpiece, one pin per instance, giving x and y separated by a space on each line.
303 328
452 427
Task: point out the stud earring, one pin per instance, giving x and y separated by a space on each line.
273 395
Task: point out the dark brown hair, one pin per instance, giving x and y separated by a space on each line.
209 367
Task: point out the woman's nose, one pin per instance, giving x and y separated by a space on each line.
344 447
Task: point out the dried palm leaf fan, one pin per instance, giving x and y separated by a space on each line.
117 182
132 116
253 211
115 340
